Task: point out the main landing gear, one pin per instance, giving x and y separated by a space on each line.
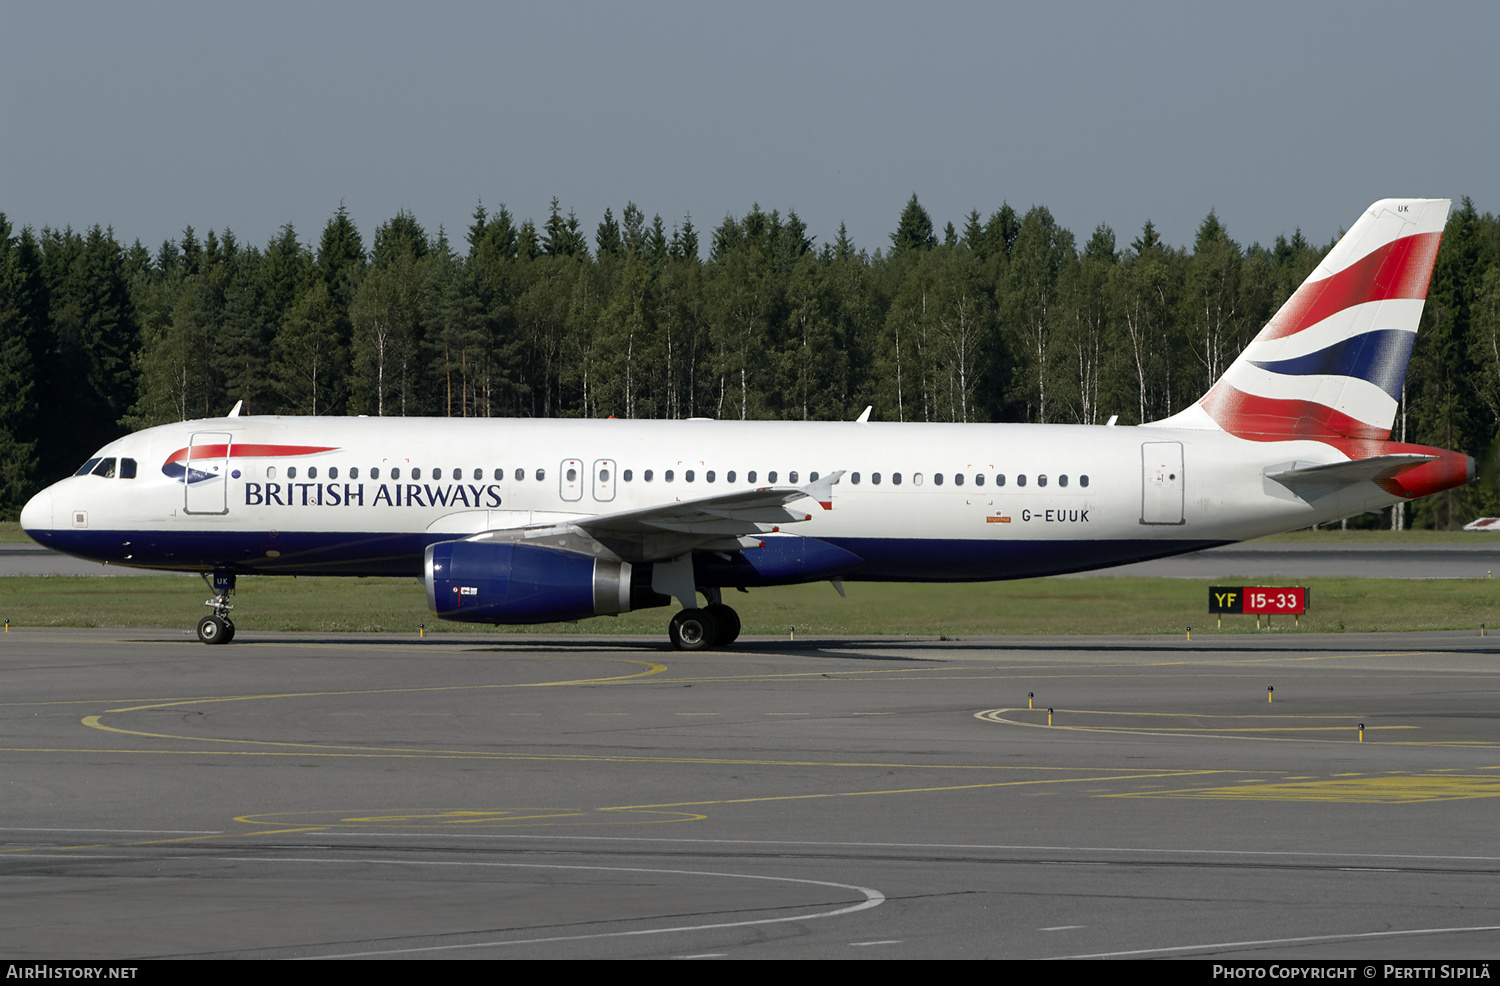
713 626
217 627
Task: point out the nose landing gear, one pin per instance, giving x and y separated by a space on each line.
218 628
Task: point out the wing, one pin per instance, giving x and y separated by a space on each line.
722 522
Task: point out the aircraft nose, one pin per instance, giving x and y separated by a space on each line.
37 514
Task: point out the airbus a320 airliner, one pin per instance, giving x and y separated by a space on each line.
538 521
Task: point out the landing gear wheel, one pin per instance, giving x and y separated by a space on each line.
215 630
729 623
693 629
218 628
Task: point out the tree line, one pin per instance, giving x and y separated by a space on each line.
1002 318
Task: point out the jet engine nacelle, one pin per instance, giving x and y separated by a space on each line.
511 582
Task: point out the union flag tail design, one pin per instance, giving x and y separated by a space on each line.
1330 364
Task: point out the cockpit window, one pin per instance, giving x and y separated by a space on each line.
127 468
87 467
105 468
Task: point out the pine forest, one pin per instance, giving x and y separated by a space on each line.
1005 317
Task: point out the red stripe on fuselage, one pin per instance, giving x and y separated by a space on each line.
245 451
1400 269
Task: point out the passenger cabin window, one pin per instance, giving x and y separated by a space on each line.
875 478
629 474
395 472
374 472
895 479
979 479
999 479
312 472
730 477
354 472
771 476
710 476
690 475
791 477
499 475
541 475
1083 481
416 472
1021 480
291 472
333 472
958 479
647 475
937 479
271 472
1041 480
750 477
1062 480
667 475
854 478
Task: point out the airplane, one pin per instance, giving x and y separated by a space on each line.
521 521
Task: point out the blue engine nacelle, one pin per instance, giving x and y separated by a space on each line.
509 582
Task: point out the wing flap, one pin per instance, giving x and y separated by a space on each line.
740 512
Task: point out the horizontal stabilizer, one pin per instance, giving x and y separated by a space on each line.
1311 481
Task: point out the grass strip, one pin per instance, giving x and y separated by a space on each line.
1032 606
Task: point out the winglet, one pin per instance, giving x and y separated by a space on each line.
822 490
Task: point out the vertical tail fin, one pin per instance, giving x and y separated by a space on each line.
1331 362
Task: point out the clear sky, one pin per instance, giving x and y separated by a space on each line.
152 116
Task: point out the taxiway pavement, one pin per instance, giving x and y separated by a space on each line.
486 796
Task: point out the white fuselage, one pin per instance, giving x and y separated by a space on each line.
917 502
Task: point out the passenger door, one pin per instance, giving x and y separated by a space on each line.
205 480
